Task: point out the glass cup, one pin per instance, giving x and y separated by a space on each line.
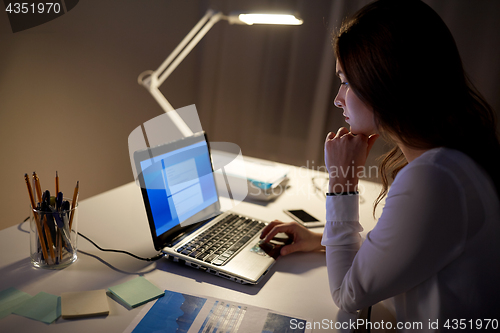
53 236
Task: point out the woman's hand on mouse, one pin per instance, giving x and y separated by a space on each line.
303 239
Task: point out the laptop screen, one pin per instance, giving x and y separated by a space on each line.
178 185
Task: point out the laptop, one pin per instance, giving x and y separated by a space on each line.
185 217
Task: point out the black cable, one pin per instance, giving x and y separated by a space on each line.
113 267
158 256
20 226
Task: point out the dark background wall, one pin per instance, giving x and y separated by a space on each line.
69 96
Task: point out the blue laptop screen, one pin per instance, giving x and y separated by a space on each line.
179 184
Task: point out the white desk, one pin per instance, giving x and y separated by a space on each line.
296 285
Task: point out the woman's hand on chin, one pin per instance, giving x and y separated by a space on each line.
345 156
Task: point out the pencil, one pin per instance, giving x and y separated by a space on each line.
38 188
59 239
59 244
57 183
50 244
49 239
73 205
38 226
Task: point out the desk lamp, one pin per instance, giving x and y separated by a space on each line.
152 80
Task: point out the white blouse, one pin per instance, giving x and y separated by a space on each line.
435 248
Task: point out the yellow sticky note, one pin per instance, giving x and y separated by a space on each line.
84 304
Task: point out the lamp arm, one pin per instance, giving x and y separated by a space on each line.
214 18
156 78
184 42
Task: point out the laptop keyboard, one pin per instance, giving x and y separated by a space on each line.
218 244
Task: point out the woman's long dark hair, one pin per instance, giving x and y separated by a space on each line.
400 59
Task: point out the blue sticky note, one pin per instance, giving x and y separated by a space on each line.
42 307
136 292
9 299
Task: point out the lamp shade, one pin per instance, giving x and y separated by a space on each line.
256 18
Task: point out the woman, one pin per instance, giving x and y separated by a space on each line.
435 247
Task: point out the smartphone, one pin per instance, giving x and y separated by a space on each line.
304 218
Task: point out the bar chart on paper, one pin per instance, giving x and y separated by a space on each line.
178 312
223 317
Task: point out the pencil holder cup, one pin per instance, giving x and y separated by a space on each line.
53 236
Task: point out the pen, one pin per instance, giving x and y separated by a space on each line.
46 197
57 217
63 237
45 200
73 205
65 214
65 207
59 200
57 183
38 226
